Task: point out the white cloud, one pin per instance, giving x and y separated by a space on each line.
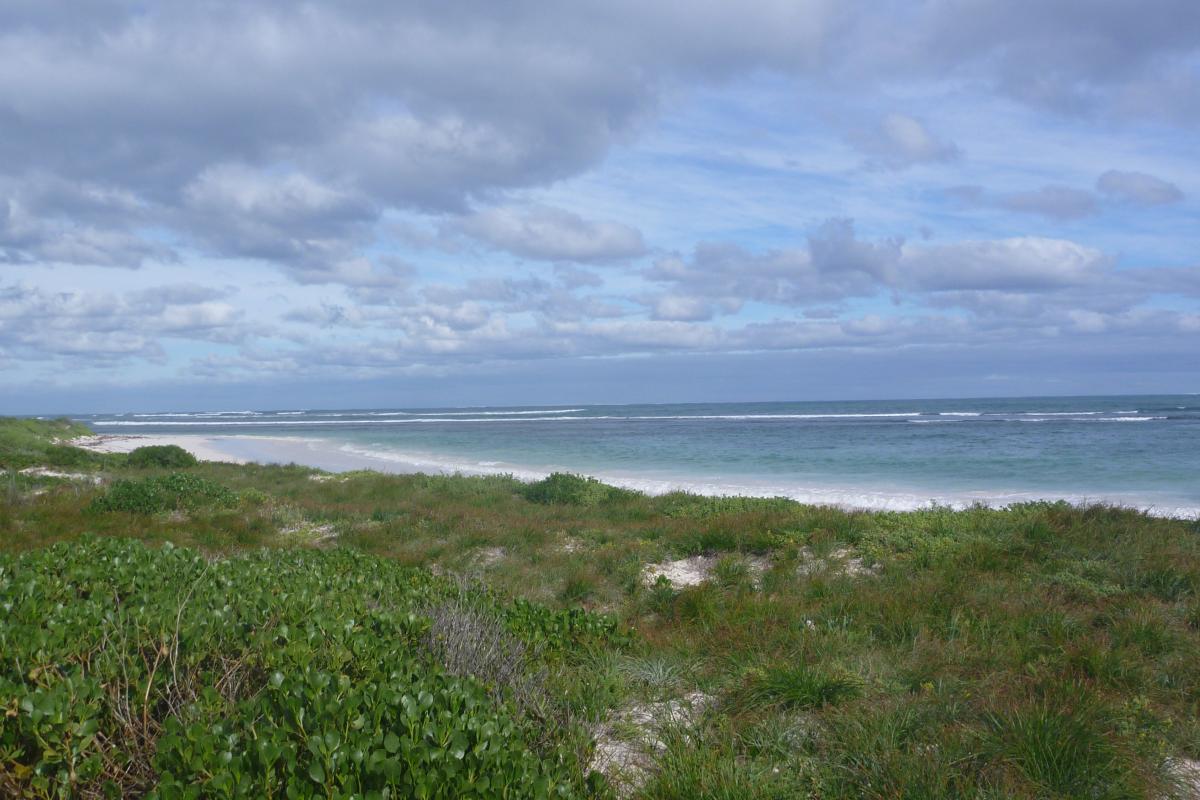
1026 264
552 234
682 309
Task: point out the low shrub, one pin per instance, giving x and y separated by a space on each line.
175 492
132 671
695 506
166 456
563 488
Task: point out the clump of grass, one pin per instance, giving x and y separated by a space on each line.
893 752
732 572
579 586
795 687
656 675
165 456
705 763
1068 749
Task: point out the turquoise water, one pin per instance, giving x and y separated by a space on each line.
1139 451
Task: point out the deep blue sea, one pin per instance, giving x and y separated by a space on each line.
1141 451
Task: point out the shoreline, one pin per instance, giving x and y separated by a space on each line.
331 456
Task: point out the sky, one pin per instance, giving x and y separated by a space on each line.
229 204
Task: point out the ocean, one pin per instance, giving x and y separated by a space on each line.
1140 451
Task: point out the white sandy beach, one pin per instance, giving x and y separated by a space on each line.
205 448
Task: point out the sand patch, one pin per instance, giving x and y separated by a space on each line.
305 533
488 556
628 740
684 572
696 570
572 545
43 472
840 561
1186 772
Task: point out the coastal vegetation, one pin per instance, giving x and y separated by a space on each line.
183 630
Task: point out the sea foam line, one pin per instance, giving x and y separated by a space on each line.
845 497
444 421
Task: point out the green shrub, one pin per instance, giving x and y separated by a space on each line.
563 488
167 456
131 671
174 492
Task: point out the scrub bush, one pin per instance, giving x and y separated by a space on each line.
167 456
127 670
175 492
574 490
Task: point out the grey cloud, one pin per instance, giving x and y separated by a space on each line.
179 294
1024 263
357 273
26 238
835 265
314 230
838 265
552 234
1055 202
1138 188
438 106
573 277
1072 56
836 250
901 141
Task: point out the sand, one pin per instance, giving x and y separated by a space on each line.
204 448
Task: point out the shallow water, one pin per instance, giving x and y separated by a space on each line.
1141 451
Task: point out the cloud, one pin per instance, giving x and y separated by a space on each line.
838 265
1138 188
1055 202
552 234
682 309
834 265
900 141
26 238
440 183
357 273
1111 59
1061 203
1026 264
108 327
